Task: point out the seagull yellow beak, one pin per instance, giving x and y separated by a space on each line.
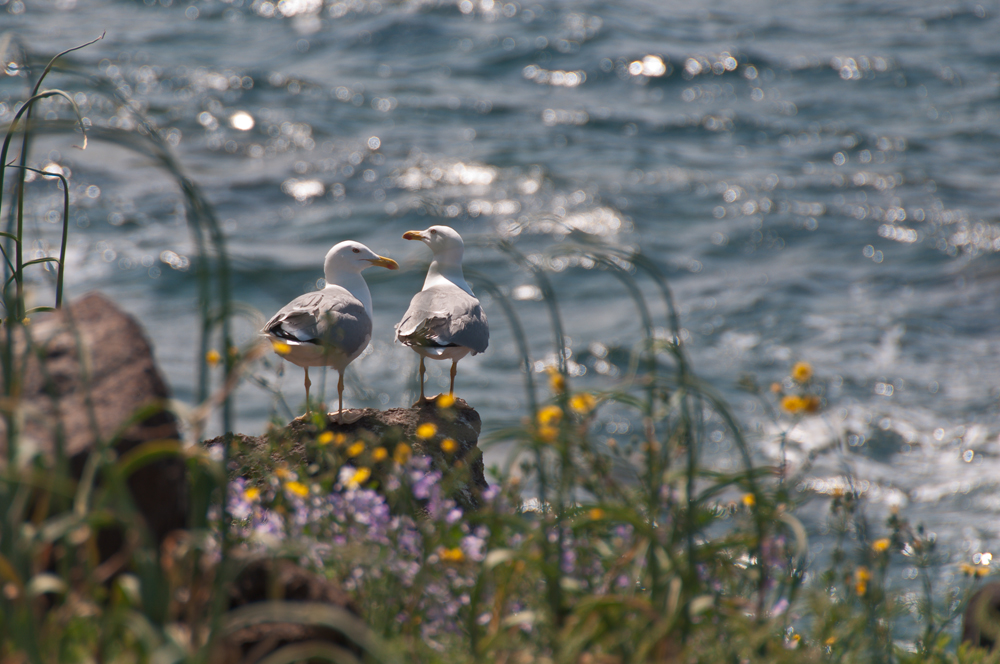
382 261
413 235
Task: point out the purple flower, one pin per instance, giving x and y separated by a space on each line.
405 571
424 483
409 541
491 493
474 548
267 523
568 560
238 506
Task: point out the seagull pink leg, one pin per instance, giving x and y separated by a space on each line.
308 385
421 379
454 370
340 397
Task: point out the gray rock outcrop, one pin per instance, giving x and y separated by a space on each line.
90 379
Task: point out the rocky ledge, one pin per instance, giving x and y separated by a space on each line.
443 430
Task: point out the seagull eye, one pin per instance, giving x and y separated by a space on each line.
356 250
433 232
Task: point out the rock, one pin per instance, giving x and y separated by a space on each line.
282 581
265 579
255 455
91 373
981 621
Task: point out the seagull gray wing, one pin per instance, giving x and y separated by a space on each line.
444 316
330 317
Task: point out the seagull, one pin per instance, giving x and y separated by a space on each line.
329 327
444 321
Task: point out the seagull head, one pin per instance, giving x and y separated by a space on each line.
353 257
444 242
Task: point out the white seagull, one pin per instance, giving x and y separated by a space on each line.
444 321
332 326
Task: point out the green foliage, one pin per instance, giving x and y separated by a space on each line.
13 303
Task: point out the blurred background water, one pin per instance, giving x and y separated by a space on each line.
817 179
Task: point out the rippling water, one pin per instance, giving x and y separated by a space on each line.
818 179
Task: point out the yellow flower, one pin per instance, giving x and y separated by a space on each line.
281 348
830 641
379 454
557 381
451 555
582 403
793 403
776 388
426 430
212 357
298 488
861 578
549 415
359 477
596 514
448 445
445 401
802 372
251 494
548 434
974 570
880 545
325 438
749 499
355 449
282 473
402 453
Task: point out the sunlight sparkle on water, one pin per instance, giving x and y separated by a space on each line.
861 67
601 221
651 65
53 169
295 7
429 175
303 190
526 292
552 117
241 120
557 78
487 208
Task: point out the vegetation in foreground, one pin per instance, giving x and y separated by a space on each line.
587 548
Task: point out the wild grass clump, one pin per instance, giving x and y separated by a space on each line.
586 548
571 578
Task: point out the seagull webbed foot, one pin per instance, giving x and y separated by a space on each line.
423 401
349 416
